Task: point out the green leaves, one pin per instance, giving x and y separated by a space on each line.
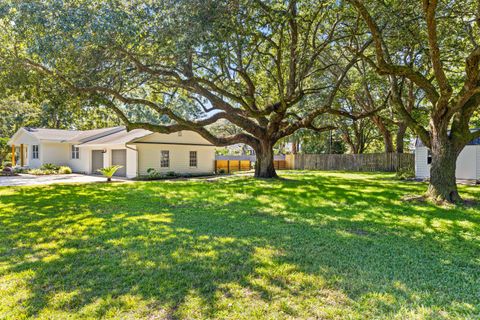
108 172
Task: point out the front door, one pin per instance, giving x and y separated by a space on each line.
97 161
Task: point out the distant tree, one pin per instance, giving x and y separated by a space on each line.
4 150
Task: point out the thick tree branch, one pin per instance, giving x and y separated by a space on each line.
430 7
388 68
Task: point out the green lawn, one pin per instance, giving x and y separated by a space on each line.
309 245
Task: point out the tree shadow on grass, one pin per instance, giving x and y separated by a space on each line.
311 239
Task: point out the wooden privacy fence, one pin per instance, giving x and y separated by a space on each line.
280 164
232 163
388 162
229 166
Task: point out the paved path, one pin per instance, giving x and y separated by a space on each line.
30 180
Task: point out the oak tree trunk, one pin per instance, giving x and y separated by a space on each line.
402 128
264 167
443 184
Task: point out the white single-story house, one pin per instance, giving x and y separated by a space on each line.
137 150
468 161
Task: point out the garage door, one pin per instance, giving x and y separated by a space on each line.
119 157
97 161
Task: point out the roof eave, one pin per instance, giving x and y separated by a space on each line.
19 131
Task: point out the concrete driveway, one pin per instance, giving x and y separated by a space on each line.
30 180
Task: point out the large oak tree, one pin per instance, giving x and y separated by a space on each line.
446 69
269 68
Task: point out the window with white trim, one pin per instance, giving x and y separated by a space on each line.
35 151
165 159
75 152
193 158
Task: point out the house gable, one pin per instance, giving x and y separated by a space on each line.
176 138
22 136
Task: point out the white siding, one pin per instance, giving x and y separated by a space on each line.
478 162
422 168
131 163
56 153
149 157
82 164
467 163
28 140
107 158
179 145
33 163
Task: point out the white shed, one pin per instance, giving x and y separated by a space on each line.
468 162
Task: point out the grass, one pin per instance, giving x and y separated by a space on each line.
309 245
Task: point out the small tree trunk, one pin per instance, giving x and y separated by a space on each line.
443 184
109 179
387 136
402 128
264 167
387 140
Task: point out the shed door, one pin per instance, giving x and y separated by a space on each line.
466 163
97 161
119 157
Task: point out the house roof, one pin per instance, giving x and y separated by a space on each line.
88 135
119 137
51 134
98 137
474 142
70 136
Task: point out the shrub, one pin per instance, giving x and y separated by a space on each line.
154 175
405 174
108 172
170 174
41 172
7 171
18 169
7 164
151 170
222 171
37 172
64 170
50 166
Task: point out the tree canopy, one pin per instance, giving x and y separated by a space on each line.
268 70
